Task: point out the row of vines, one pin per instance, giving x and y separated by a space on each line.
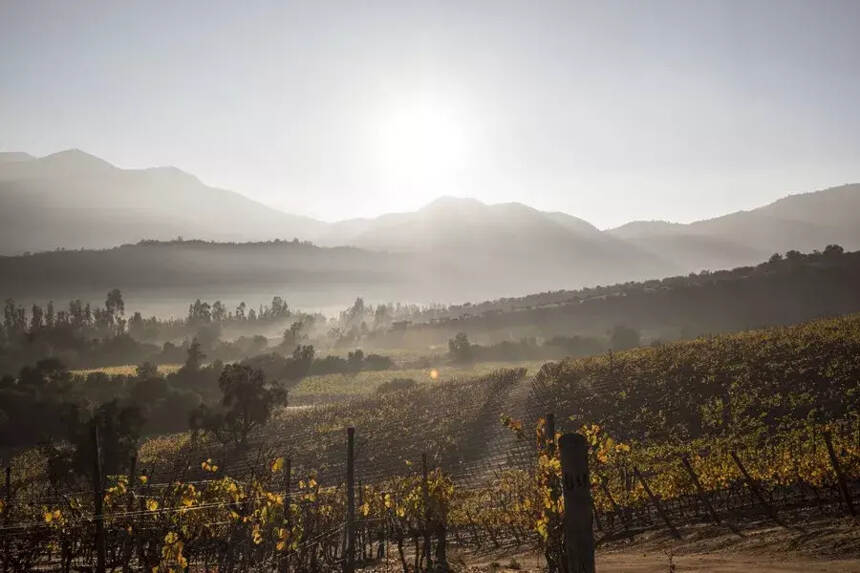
728 430
295 523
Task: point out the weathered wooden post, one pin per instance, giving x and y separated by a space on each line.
7 514
129 543
425 493
349 558
840 477
360 537
550 433
98 500
550 449
288 470
578 519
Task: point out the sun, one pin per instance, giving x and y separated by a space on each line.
422 139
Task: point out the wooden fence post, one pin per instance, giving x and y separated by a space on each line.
98 500
360 537
550 433
578 520
288 469
349 560
425 493
756 491
550 448
656 503
7 514
840 477
129 542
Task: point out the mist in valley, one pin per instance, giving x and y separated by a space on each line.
317 287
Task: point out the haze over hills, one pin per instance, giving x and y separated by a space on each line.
801 222
451 250
74 200
504 242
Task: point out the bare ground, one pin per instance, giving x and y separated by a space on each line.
826 545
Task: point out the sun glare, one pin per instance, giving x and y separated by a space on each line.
422 140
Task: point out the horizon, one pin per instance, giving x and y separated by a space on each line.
244 244
432 201
609 111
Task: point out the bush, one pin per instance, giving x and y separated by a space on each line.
377 362
396 385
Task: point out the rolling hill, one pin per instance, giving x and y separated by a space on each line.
504 242
74 200
802 222
451 250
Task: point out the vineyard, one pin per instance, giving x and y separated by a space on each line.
325 388
725 430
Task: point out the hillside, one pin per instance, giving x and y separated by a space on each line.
505 242
782 291
453 249
802 222
723 386
76 200
161 277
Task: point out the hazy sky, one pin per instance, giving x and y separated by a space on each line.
611 111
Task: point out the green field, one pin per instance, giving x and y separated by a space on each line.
126 370
333 386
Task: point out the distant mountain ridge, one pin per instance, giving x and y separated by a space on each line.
802 222
72 200
75 200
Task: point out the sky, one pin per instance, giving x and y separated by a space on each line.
610 111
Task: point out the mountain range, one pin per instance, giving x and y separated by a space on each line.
73 200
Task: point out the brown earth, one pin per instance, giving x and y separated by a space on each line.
825 545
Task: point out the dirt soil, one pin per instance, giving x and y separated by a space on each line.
815 547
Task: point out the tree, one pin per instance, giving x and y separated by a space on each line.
119 430
354 360
381 317
114 303
195 357
833 250
48 372
50 315
355 313
794 256
247 403
293 335
219 311
199 311
147 371
459 348
36 318
280 309
624 337
302 360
